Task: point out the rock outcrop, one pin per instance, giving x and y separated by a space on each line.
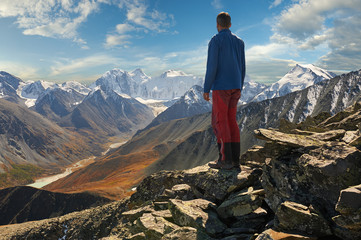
305 183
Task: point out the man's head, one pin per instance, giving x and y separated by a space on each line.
223 21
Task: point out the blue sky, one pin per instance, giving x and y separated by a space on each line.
63 40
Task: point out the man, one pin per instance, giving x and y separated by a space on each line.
225 74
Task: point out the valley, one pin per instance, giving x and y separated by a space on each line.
41 182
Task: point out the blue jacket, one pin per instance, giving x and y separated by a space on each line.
226 65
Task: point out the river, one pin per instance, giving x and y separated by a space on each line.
42 182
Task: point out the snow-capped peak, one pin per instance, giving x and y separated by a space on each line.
305 74
173 73
80 88
298 78
137 72
194 94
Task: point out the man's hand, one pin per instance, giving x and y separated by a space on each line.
206 96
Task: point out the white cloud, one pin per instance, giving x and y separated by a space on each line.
19 70
217 4
265 62
139 18
124 27
72 66
332 24
306 18
49 18
139 14
344 41
276 3
117 40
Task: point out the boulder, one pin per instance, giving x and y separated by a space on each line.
183 192
311 176
197 213
254 157
351 222
166 214
134 214
154 227
349 200
252 222
292 216
349 205
241 203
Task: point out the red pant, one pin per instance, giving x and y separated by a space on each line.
225 125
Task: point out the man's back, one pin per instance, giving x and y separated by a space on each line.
226 63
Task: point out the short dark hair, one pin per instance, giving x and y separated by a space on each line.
224 19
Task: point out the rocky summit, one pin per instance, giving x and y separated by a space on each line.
304 183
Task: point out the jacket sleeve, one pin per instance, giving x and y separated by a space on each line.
212 63
243 60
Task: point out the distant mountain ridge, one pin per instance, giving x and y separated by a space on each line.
169 85
109 113
298 78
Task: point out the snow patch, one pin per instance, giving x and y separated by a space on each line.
312 96
30 102
65 226
335 96
156 105
291 113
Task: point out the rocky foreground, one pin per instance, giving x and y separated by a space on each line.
305 183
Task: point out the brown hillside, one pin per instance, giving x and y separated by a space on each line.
115 174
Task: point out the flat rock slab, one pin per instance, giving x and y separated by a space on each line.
154 227
241 203
293 140
197 213
293 216
134 214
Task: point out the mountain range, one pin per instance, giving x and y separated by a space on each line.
188 142
169 85
108 111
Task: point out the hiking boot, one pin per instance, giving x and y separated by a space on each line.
220 165
236 149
